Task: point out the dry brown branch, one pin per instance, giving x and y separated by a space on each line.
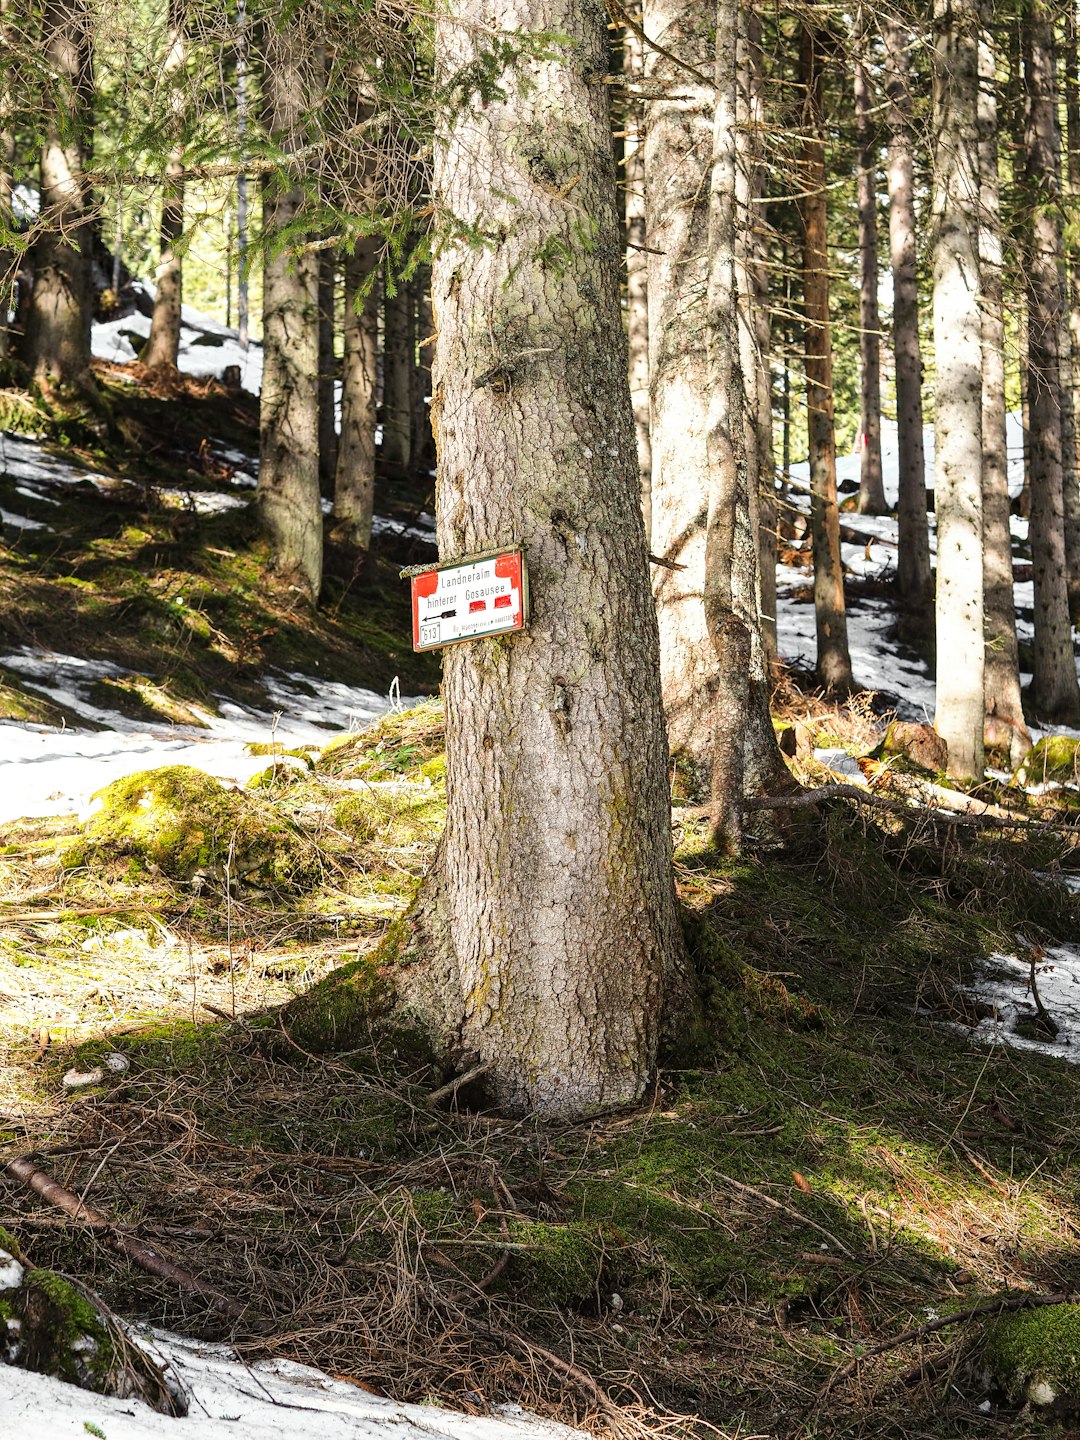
23 1169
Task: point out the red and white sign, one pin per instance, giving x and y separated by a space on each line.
466 599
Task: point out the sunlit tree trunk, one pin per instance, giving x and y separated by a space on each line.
871 488
1004 728
637 265
958 390
551 915
57 342
163 345
914 582
697 678
354 483
288 493
397 376
833 658
328 436
753 579
1055 692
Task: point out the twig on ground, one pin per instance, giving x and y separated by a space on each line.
942 1322
23 1169
787 1209
453 1086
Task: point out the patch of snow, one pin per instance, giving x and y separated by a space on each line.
11 1272
1004 982
422 529
267 1400
24 459
21 522
29 493
50 771
841 763
202 502
206 346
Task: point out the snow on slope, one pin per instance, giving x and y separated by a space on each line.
269 1400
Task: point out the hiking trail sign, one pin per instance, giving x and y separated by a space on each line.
468 598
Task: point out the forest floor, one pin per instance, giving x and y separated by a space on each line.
846 1145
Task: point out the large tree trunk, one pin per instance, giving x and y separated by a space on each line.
163 345
397 376
637 265
354 485
958 392
1055 692
288 493
833 658
554 883
57 344
871 489
678 144
1004 728
328 435
914 581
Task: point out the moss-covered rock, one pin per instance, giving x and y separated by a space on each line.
1034 1355
1054 757
184 823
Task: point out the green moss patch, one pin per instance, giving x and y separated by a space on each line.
1034 1355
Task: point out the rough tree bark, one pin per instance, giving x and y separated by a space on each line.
57 341
328 435
637 265
871 499
163 344
914 582
288 491
7 164
354 483
396 449
552 907
958 391
1072 478
833 657
1055 692
753 561
1004 727
727 438
423 442
242 50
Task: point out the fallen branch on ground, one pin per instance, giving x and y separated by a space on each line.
23 1169
930 1327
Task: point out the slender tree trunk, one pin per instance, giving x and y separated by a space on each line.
328 435
1055 692
57 342
7 165
288 493
1072 477
354 486
833 658
1004 728
914 582
728 432
163 346
241 179
753 562
637 265
397 376
552 908
958 396
423 441
871 489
